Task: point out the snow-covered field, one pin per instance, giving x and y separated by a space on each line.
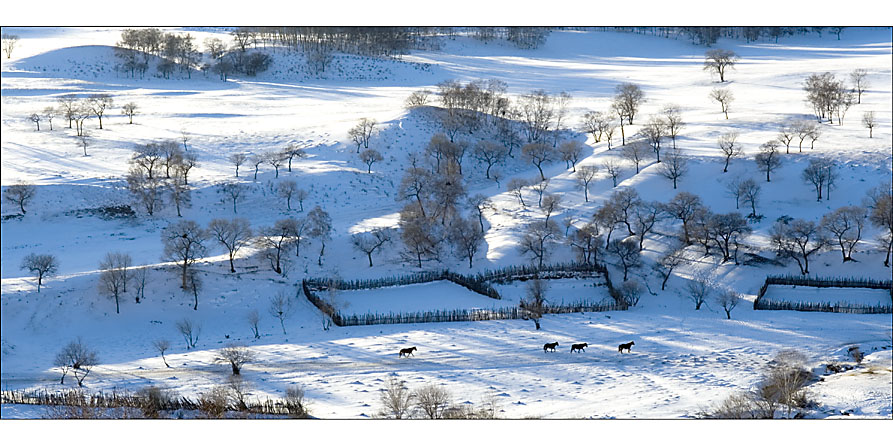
684 360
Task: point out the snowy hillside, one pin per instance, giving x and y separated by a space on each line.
684 361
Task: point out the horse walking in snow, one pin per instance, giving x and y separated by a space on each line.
406 351
579 347
627 346
550 347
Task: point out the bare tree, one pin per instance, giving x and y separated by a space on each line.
184 243
292 151
631 291
490 153
786 134
147 157
798 239
587 242
845 224
320 228
171 156
287 189
537 238
77 358
465 237
859 77
645 216
804 128
274 240
129 109
432 401
232 234
417 98
234 192
570 151
275 159
728 300
700 287
727 231
869 122
584 176
728 144
186 164
819 172
396 400
79 114
235 356
768 159
20 194
516 187
44 265
628 97
113 276
669 261
718 60
281 307
67 106
882 217
749 191
814 135
98 104
253 319
35 117
724 97
162 346
362 133
84 140
49 113
675 167
9 43
534 304
538 153
178 190
626 201
627 253
561 101
636 153
190 332
594 123
257 160
537 111
673 120
613 169
478 203
369 242
369 157
540 189
683 207
654 131
416 184
139 280
420 235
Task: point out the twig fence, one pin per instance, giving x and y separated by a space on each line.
479 283
118 400
824 282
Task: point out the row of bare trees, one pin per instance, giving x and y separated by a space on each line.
160 169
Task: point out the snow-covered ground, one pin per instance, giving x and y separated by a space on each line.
683 361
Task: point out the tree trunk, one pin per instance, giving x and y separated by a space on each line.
369 254
236 369
117 305
232 267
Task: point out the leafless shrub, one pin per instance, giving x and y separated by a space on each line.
213 403
432 401
190 332
396 400
235 356
295 402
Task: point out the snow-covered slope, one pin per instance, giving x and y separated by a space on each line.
683 361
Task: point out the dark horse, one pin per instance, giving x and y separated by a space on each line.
550 346
406 351
627 346
579 347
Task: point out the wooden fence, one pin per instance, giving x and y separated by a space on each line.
479 283
823 282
